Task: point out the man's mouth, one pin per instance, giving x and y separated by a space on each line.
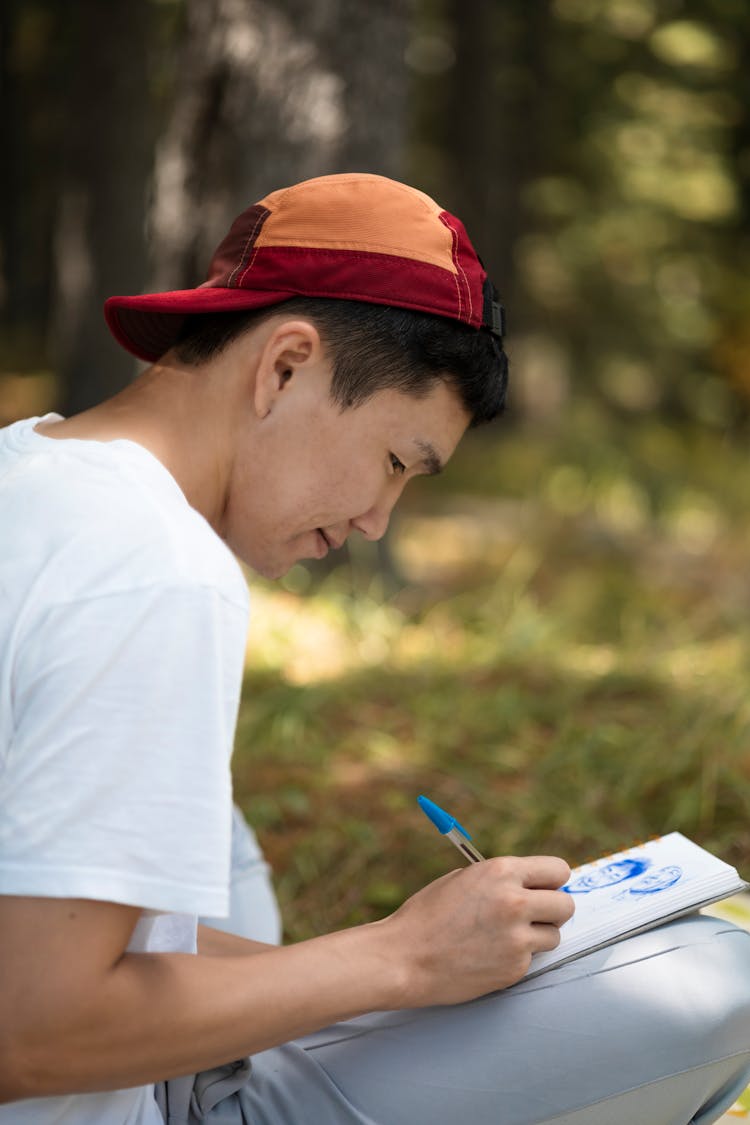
329 541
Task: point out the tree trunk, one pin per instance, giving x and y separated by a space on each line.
99 238
495 123
268 94
30 55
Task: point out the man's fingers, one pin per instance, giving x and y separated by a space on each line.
554 907
544 871
545 937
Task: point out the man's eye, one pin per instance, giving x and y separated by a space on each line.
397 466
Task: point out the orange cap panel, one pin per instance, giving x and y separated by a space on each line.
362 212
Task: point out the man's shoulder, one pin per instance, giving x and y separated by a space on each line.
109 519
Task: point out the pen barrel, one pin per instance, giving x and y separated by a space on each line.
465 846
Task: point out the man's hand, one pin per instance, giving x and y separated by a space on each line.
474 931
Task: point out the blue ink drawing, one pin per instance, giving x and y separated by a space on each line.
657 880
608 875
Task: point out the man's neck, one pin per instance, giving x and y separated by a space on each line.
176 414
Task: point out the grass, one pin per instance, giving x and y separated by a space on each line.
564 666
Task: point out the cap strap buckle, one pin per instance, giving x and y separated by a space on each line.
493 313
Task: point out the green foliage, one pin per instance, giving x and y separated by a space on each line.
607 186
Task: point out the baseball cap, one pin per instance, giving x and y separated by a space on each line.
356 236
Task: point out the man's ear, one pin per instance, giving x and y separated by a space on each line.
291 347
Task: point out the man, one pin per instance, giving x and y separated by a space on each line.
345 339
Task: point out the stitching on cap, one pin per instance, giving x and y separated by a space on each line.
460 268
260 218
249 242
248 267
455 275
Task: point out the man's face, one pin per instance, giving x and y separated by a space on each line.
316 473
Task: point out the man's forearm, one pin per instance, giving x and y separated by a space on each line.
78 1014
218 943
155 1016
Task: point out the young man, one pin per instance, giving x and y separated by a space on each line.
345 339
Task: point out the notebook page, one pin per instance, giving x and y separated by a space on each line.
622 893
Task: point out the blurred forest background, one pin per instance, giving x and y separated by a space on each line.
555 642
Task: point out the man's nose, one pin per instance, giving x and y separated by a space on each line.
374 522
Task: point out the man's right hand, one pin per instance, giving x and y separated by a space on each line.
474 930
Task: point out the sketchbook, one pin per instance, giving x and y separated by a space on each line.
636 890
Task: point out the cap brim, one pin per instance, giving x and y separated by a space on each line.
148 325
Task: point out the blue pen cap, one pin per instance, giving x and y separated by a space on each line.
442 820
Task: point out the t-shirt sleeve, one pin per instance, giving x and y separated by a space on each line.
116 784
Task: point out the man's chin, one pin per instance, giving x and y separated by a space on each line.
275 568
271 571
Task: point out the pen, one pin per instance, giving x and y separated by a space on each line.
450 827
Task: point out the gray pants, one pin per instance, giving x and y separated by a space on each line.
651 1031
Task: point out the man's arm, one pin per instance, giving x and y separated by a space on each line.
79 1014
219 943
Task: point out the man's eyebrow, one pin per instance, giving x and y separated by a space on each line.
430 457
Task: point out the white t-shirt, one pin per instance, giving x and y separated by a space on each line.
123 619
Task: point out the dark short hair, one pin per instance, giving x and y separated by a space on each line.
373 348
